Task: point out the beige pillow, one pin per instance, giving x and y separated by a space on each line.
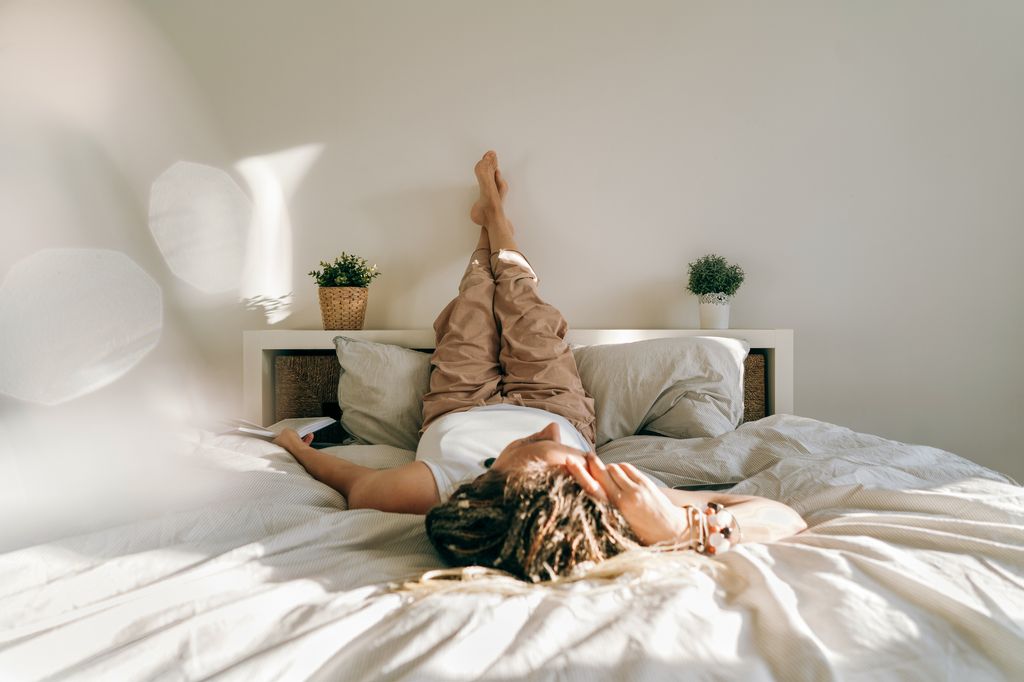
685 387
381 390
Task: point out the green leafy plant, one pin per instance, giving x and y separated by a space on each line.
712 274
345 271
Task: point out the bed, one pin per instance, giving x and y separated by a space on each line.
912 567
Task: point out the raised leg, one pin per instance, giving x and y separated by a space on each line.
538 366
466 372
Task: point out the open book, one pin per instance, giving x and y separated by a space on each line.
303 426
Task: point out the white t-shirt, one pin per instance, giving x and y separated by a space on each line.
455 446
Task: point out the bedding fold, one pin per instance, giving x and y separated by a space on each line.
912 567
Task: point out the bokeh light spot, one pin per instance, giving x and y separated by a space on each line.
199 218
73 321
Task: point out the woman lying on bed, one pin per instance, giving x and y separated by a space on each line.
505 468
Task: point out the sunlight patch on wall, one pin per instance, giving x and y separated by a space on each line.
272 179
73 321
198 216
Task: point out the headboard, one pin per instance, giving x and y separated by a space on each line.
294 373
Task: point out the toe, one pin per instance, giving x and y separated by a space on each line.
481 169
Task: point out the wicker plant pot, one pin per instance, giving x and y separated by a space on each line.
343 307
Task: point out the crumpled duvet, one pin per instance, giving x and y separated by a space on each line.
912 568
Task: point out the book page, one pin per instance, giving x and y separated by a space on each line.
302 425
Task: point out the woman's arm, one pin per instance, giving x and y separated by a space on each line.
760 519
408 489
656 515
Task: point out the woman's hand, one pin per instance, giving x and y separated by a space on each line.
289 440
650 514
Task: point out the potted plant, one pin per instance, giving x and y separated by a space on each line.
344 290
714 281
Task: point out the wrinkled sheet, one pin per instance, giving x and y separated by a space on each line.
912 568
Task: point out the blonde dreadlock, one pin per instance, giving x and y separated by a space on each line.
536 523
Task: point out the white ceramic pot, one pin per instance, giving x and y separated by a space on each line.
714 311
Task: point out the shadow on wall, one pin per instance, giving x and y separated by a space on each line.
657 303
431 239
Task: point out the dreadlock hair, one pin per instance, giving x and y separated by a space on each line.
536 523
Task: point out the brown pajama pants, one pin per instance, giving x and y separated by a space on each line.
498 342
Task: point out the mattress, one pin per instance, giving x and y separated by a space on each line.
912 567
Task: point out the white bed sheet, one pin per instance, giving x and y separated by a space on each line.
912 568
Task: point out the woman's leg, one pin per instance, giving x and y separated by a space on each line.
466 372
539 368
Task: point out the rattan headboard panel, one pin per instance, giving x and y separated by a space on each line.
306 385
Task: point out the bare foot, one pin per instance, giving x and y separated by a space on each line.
493 189
502 185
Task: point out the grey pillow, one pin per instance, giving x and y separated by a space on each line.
380 391
684 387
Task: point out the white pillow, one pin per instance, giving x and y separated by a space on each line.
685 387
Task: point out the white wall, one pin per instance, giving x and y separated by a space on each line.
860 160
